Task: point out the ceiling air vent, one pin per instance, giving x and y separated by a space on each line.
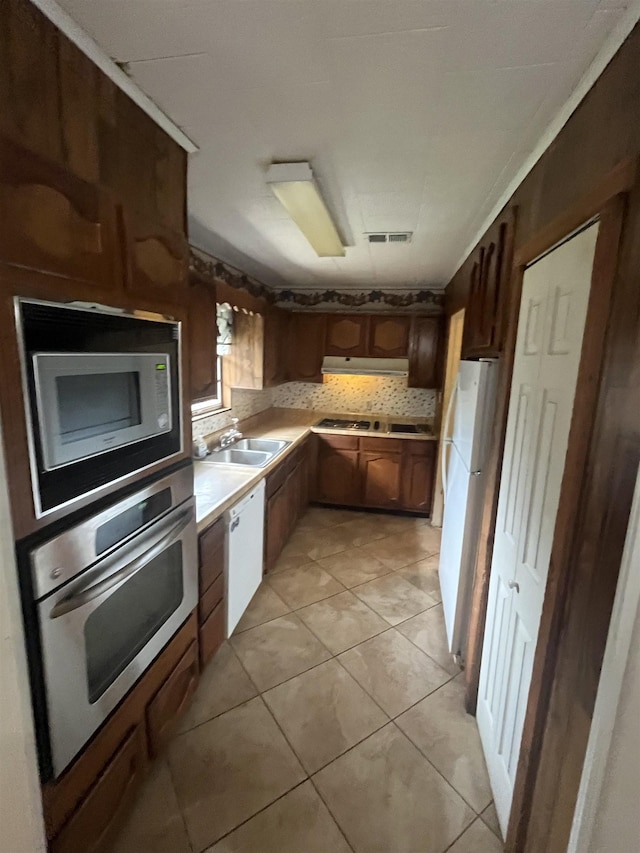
390 237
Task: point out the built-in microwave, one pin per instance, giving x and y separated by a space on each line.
88 403
102 397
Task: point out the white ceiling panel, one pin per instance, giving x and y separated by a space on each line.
415 115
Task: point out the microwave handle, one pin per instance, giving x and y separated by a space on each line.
79 599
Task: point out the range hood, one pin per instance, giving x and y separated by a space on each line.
365 366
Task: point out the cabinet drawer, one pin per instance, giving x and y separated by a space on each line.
210 598
338 442
109 799
211 547
212 634
381 445
172 699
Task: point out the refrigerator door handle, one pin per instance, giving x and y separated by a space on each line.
447 438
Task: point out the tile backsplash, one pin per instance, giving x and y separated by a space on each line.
244 404
386 395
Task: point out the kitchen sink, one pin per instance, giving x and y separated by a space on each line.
264 445
233 456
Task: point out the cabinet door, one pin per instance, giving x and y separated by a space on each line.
212 634
424 353
201 339
55 222
102 810
172 700
381 479
211 549
417 475
275 336
483 335
338 477
306 347
347 335
277 525
157 260
388 337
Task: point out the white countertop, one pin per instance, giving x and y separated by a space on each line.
218 487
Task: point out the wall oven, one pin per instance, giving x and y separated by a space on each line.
101 601
102 396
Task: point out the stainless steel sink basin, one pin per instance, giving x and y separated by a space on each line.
233 456
265 445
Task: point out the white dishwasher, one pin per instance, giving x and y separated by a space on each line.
245 526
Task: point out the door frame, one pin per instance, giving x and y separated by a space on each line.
606 202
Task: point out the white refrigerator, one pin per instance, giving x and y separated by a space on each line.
468 429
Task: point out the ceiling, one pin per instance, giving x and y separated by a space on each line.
415 115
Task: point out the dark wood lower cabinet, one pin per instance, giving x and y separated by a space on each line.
211 608
212 633
287 496
84 807
172 700
103 809
381 479
375 472
418 473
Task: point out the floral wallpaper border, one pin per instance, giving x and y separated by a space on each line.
212 268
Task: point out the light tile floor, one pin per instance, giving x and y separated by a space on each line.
333 720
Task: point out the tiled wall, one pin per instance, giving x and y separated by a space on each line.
384 395
244 404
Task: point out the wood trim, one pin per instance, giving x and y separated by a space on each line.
557 588
618 181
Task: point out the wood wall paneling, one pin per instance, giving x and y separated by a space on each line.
55 222
550 761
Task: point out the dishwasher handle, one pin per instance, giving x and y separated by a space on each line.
235 523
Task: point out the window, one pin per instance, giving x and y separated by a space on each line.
213 404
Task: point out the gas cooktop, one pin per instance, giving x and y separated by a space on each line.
336 423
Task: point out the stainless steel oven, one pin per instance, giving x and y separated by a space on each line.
106 596
102 397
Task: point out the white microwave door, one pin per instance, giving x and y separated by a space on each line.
91 403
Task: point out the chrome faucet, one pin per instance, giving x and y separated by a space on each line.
230 436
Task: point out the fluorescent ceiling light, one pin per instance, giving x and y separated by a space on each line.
294 186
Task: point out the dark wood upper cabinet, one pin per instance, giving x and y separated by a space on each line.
275 347
388 337
306 347
347 334
157 259
55 222
202 340
483 335
258 352
425 346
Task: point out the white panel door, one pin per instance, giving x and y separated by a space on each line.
555 295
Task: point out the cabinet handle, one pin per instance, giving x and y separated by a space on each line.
235 523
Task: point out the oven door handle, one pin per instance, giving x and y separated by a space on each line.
79 599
